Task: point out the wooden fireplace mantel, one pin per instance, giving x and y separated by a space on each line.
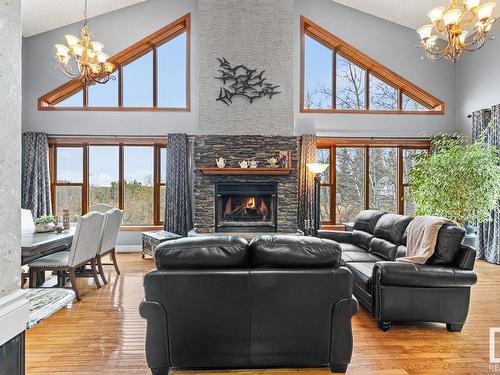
246 171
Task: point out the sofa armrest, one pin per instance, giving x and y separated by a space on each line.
157 353
336 235
341 333
421 275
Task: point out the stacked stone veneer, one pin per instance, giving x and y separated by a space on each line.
234 149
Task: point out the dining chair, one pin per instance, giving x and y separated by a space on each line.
83 250
100 207
27 222
111 228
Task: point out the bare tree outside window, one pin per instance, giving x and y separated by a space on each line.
383 97
317 75
410 104
350 183
383 178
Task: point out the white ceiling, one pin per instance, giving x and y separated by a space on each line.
409 13
43 15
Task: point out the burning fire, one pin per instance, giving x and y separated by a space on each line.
250 203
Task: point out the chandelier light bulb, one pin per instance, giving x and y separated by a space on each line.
485 10
452 16
97 46
436 14
61 49
71 40
77 50
425 31
102 57
472 4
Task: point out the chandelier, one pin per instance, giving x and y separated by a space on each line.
83 58
451 26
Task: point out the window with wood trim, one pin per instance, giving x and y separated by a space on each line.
125 173
365 174
338 78
151 75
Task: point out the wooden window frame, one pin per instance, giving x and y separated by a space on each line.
120 142
150 43
367 143
338 46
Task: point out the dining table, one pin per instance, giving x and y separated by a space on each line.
35 245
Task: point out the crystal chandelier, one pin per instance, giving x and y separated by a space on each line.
83 58
451 24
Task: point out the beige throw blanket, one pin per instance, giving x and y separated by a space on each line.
422 238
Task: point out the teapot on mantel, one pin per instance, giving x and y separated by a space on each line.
243 164
221 162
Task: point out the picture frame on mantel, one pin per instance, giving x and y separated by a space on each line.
285 159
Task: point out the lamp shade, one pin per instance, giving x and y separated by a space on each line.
436 14
485 11
317 168
425 31
452 16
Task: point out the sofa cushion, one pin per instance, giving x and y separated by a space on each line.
294 251
202 252
362 274
383 248
391 227
350 247
359 256
367 220
361 238
448 244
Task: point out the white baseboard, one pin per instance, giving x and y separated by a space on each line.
128 248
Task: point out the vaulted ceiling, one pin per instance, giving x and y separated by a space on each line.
43 15
409 13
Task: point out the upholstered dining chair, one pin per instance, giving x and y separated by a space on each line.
27 223
111 228
83 250
100 207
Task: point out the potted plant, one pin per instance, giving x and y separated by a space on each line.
45 223
459 180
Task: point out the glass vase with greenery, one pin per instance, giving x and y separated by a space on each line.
459 180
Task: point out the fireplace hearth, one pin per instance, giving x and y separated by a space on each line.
246 207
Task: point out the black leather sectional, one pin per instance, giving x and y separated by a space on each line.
220 302
437 291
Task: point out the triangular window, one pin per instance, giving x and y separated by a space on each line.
337 77
152 74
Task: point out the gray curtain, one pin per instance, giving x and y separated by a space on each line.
488 232
36 184
178 213
306 182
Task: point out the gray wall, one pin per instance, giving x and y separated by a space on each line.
259 35
478 82
389 44
10 145
117 30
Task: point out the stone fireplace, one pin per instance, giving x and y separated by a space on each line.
241 203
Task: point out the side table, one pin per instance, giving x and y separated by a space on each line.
151 240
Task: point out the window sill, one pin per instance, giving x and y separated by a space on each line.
140 228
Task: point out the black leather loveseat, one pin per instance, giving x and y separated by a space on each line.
437 291
219 302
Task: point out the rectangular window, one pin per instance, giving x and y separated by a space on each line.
138 82
172 73
365 174
104 175
125 173
349 85
350 183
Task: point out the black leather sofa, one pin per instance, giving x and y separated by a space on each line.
220 302
437 291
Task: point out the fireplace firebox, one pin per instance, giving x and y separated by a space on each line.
246 207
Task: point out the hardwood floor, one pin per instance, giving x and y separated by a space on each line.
104 334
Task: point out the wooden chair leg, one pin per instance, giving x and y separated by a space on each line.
94 273
101 270
115 263
72 278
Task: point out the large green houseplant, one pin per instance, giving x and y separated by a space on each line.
459 180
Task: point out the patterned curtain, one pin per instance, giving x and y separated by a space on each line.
36 185
488 232
178 213
306 182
